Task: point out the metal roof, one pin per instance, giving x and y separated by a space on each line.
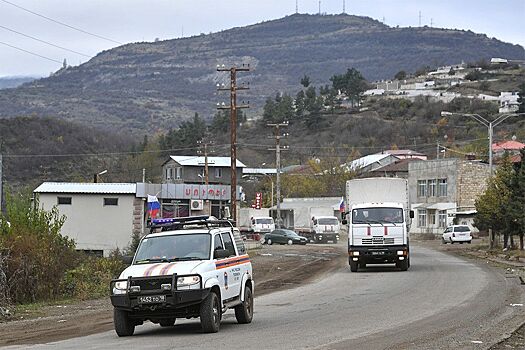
366 161
259 171
94 188
212 161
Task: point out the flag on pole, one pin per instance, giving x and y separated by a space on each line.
153 206
342 205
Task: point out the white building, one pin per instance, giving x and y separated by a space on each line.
508 102
100 217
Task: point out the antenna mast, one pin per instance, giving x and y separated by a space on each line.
296 6
344 6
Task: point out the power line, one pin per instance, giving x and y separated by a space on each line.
30 52
45 42
61 23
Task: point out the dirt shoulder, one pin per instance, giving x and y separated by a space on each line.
275 268
512 265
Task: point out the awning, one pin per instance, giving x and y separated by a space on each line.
435 206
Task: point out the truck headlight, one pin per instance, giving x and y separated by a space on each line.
355 253
400 252
188 281
120 287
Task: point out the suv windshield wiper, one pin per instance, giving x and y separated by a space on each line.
187 258
143 261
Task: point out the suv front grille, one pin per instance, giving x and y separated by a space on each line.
152 283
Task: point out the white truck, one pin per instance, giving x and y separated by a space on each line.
317 224
378 222
255 223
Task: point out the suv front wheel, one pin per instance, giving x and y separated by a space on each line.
244 311
123 325
210 313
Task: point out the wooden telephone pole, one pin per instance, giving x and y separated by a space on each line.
278 148
233 88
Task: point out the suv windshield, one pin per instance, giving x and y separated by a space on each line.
174 248
327 221
264 221
377 216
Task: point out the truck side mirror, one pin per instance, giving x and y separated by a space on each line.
344 221
411 214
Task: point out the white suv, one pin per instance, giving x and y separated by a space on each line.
457 233
193 267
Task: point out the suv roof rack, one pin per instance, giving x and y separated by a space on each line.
180 223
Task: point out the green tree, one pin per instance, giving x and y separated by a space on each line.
305 81
400 75
300 104
491 206
516 203
352 84
521 99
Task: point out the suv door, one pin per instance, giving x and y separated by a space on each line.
231 273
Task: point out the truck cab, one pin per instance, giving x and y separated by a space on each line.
262 224
378 234
325 228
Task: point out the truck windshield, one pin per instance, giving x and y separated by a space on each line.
267 221
174 248
377 216
328 221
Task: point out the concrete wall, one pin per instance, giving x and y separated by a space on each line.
93 225
432 169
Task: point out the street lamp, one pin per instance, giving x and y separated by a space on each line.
489 124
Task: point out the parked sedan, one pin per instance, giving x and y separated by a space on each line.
457 233
282 236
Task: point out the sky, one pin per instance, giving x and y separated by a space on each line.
126 21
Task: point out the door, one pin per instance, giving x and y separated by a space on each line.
232 271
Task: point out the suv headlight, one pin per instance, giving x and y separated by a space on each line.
120 287
188 281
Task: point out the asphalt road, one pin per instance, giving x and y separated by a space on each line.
442 302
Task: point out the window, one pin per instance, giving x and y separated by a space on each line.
178 173
110 201
431 214
218 172
421 188
432 188
422 218
217 243
238 242
228 244
442 187
64 200
169 173
442 220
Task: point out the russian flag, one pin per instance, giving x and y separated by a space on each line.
342 205
153 206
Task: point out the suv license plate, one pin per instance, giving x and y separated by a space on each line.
378 253
152 299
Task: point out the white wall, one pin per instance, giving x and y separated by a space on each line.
92 225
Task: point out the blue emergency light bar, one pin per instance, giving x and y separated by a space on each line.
181 220
178 223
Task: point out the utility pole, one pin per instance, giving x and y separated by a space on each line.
143 175
204 150
296 6
233 126
277 136
437 150
420 18
431 22
1 182
319 7
344 6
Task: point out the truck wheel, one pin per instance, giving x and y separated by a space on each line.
269 242
124 327
353 266
403 265
210 314
290 242
244 311
168 322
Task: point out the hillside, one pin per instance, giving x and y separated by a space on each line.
143 86
45 149
11 82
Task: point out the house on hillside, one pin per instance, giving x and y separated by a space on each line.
508 102
190 170
397 169
441 190
512 147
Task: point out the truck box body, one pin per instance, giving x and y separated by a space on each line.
378 221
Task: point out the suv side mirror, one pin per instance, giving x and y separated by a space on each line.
221 254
